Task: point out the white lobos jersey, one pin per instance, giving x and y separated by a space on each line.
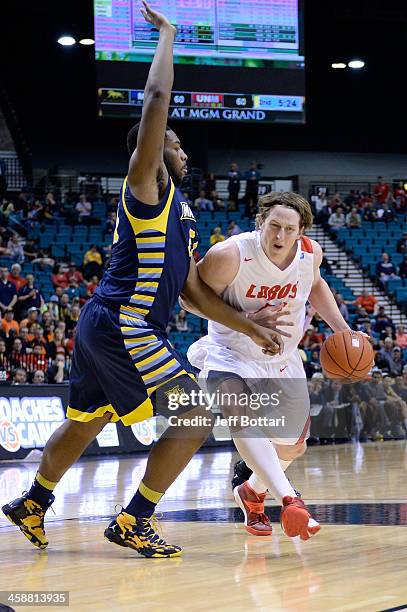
258 284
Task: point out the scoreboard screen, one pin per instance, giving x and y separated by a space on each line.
236 60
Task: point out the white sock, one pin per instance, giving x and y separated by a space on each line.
284 464
260 456
256 484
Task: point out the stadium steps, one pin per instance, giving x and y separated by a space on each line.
345 268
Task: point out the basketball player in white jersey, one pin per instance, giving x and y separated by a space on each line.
267 273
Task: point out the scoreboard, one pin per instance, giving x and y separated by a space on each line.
205 105
236 60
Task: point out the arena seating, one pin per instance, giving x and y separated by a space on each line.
366 244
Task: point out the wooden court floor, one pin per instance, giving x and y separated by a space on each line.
357 562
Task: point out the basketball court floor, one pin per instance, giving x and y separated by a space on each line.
356 562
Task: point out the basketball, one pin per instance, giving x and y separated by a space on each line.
347 356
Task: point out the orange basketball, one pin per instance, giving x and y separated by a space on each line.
347 355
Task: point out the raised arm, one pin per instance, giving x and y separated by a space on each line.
147 160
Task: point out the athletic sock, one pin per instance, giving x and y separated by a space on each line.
41 490
143 503
261 457
257 484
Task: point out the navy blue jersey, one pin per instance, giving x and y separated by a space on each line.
151 253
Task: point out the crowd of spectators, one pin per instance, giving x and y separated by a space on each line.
382 204
37 333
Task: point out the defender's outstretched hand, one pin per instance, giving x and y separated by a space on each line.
158 20
271 317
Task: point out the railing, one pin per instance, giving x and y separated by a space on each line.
14 172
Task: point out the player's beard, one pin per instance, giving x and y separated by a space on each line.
177 178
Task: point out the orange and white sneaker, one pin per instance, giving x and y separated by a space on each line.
296 520
251 503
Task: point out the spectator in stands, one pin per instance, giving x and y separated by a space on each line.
384 357
83 209
181 322
359 317
353 219
233 229
218 203
31 319
368 302
401 246
8 292
387 332
92 285
343 309
209 185
9 324
21 204
4 252
336 220
51 202
366 328
30 250
403 267
15 277
400 196
58 372
24 337
71 341
312 340
396 367
64 307
324 216
39 377
73 273
381 190
320 201
216 237
29 296
44 259
92 263
19 376
385 269
15 249
110 222
401 337
351 199
369 213
384 213
17 353
313 366
202 202
382 320
234 177
73 317
252 176
59 278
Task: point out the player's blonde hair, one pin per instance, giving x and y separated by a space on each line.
288 199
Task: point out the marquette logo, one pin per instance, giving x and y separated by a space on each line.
186 212
175 393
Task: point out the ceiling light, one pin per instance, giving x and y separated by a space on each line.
87 41
66 41
356 64
338 65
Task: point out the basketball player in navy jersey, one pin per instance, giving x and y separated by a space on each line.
123 365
